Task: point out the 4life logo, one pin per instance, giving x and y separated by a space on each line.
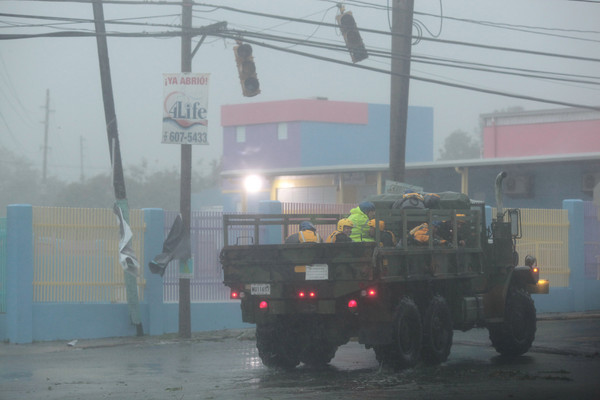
184 111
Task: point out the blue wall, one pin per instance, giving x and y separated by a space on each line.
26 321
345 144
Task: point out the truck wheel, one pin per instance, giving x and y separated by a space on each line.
276 348
406 350
515 335
318 354
437 331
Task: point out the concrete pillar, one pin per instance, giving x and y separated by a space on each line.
576 253
19 273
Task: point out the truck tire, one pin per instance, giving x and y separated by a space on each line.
318 354
514 336
437 331
276 346
405 351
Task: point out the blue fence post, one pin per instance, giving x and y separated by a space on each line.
270 234
19 273
576 253
154 237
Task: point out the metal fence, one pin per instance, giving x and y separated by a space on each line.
206 231
76 251
76 255
206 234
2 265
546 236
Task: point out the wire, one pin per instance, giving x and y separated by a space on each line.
337 47
523 97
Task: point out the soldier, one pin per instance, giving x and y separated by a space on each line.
386 238
307 233
342 234
360 216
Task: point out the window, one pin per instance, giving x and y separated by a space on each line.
282 131
240 134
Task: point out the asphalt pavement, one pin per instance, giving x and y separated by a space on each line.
545 342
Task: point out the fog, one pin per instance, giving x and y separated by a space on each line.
68 68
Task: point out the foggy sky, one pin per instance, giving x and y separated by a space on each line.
68 67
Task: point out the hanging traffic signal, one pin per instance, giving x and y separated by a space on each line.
354 42
246 69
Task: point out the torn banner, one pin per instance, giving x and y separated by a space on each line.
176 246
126 254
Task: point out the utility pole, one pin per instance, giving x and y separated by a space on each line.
185 323
115 153
81 177
402 21
45 149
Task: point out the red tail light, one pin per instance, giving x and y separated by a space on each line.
352 304
371 292
234 295
263 305
307 294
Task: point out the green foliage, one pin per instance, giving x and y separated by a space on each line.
20 183
459 145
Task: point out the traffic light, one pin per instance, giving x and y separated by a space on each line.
246 69
354 42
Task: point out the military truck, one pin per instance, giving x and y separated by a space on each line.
403 301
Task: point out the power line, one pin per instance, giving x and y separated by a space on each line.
337 47
523 97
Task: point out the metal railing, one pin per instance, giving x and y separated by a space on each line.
76 255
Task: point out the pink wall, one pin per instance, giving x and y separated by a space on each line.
541 139
295 110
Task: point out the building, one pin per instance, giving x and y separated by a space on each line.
314 150
338 152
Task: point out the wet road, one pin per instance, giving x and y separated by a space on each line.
564 363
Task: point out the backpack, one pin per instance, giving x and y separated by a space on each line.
413 201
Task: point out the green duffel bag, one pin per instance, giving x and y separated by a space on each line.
454 201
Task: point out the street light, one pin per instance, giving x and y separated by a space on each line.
252 184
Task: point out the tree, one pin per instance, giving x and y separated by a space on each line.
459 145
22 184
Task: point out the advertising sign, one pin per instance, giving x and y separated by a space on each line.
185 107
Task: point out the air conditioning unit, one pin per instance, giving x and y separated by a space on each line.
589 180
519 186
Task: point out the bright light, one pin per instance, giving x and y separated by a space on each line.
263 304
253 183
535 270
352 304
369 292
301 295
312 294
234 295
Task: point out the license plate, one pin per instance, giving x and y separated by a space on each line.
260 288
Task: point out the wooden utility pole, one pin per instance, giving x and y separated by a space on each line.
185 323
402 20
